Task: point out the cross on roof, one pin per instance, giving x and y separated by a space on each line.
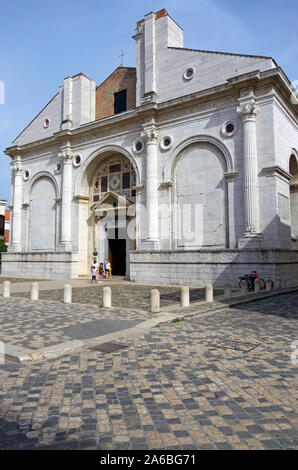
121 55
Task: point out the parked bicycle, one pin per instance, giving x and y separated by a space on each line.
248 281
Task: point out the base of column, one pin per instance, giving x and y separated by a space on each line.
65 247
16 248
251 240
150 245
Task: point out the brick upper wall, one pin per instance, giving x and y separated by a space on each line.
123 78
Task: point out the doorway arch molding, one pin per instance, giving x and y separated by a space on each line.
82 184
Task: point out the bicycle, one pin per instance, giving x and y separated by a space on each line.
248 281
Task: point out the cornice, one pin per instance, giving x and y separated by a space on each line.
276 170
150 109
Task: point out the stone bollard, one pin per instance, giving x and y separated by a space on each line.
67 294
268 284
209 293
244 289
154 301
6 289
257 285
227 292
277 284
284 284
107 297
184 296
34 291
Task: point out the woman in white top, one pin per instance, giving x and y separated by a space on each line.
108 269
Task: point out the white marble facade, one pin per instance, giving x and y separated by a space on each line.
212 152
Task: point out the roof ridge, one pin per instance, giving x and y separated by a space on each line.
220 52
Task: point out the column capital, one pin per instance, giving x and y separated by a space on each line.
248 110
17 165
66 156
150 134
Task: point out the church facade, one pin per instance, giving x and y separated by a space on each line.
181 170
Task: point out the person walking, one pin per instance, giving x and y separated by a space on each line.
94 268
108 269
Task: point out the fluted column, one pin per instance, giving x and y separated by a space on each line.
66 199
17 169
248 112
150 137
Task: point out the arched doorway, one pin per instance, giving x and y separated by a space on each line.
293 169
112 206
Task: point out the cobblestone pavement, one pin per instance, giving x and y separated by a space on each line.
130 295
40 324
223 380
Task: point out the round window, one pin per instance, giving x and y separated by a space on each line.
77 159
166 142
138 146
189 73
26 175
46 123
229 128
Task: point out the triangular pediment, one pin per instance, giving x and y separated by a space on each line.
110 202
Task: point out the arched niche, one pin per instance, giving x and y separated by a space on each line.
199 197
42 215
293 170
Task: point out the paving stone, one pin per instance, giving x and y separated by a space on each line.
170 388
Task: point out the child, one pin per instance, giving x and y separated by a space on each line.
94 268
101 271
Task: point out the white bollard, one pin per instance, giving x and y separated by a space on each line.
257 285
6 289
184 296
154 301
227 292
209 293
268 284
277 284
244 289
107 297
67 294
34 291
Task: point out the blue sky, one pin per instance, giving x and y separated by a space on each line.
43 42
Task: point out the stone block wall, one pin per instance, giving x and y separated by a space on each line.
220 267
44 265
